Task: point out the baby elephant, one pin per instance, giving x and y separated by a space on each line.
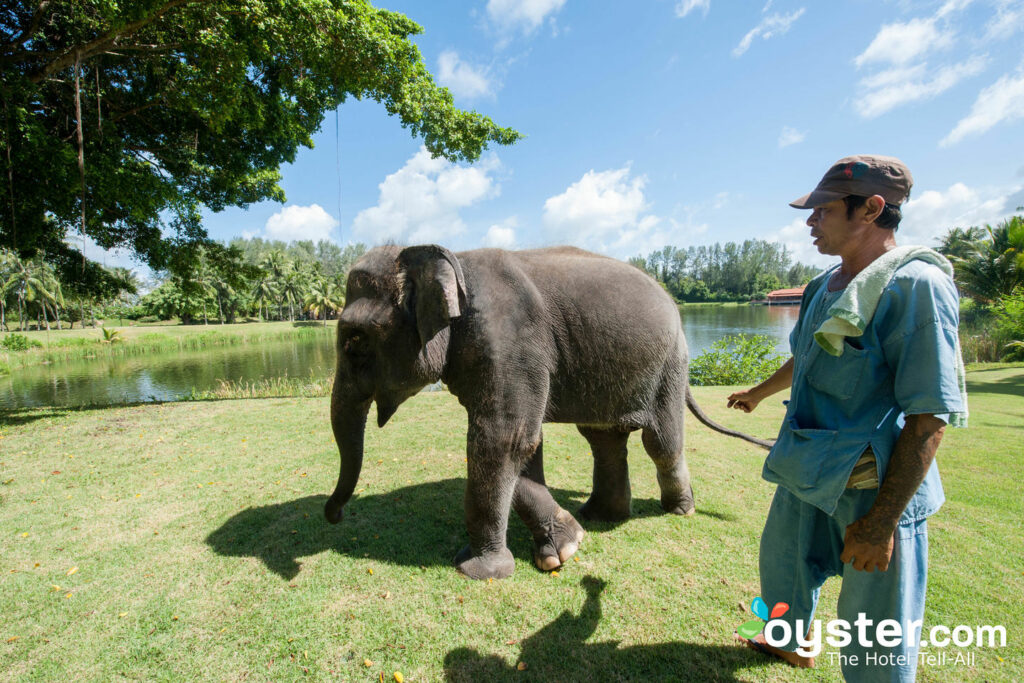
521 338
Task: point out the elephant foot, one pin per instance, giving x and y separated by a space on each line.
333 512
604 511
556 541
495 565
679 505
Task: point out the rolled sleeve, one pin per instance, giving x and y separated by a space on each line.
924 370
922 348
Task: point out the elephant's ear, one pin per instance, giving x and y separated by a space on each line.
434 290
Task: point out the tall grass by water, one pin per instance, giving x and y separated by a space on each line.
66 345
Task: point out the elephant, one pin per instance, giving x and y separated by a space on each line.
520 338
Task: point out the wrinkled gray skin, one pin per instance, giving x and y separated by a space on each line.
521 338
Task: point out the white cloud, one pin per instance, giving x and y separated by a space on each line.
684 7
502 235
420 202
796 237
604 211
901 85
111 258
771 26
900 43
301 223
790 136
463 79
526 15
928 215
1001 101
1008 20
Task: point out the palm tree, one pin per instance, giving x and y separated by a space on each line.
276 264
30 281
992 265
292 286
263 290
324 296
7 269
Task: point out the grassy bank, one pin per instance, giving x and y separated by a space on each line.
62 345
185 541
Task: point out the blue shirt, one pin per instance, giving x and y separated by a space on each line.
903 364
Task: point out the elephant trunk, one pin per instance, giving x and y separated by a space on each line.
348 420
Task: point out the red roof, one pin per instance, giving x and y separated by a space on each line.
795 291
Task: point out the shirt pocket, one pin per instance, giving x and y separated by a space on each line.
798 454
839 376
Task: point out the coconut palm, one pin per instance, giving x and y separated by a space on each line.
292 288
324 296
7 269
992 266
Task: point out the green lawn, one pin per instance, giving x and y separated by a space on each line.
199 551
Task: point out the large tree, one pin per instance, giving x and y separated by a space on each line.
125 119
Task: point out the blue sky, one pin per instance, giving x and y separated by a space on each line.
679 122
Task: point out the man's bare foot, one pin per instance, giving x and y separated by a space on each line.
758 644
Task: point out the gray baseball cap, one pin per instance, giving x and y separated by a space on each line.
863 175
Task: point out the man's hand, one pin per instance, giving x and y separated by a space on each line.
743 400
868 545
748 399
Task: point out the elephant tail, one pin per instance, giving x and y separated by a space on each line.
691 403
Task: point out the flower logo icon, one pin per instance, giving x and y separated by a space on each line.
750 629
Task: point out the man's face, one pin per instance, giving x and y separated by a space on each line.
831 230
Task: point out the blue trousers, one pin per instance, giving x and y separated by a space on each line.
800 548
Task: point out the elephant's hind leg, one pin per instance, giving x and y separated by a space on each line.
611 497
664 443
556 534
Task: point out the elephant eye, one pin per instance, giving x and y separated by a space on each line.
356 347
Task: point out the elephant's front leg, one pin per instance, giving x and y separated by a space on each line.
556 534
496 455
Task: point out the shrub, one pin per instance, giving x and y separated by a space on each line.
736 359
18 342
149 319
1009 313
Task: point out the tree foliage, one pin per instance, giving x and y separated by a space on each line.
988 262
725 272
124 119
736 359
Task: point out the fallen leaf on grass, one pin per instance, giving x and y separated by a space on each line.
72 571
13 638
399 677
521 666
367 663
369 571
24 534
511 642
122 615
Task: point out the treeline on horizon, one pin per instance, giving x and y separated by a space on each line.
725 272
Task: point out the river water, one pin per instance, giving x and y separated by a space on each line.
171 376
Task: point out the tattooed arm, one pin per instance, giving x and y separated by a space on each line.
869 540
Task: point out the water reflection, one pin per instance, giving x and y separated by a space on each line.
167 377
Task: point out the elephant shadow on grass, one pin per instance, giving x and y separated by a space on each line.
561 651
419 525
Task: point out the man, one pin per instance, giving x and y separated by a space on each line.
875 376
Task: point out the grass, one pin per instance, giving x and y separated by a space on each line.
200 552
61 345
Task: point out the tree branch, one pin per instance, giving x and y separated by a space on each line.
67 58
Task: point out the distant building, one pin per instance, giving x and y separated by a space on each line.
784 297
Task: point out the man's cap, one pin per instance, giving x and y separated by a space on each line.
863 175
